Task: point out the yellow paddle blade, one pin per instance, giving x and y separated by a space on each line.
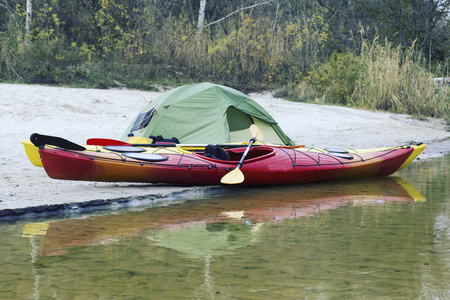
233 177
256 133
32 152
236 176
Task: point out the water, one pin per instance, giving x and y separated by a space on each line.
383 238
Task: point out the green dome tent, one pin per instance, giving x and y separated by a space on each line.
205 113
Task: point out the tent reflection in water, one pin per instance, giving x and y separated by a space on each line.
205 113
200 239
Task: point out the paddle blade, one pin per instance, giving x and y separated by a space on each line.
40 140
236 176
106 142
256 132
233 177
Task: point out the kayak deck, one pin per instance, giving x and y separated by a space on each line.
264 165
33 155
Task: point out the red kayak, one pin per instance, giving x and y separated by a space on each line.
263 165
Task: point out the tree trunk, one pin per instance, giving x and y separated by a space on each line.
414 14
201 14
28 22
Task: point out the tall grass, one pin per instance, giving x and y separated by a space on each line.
9 45
397 80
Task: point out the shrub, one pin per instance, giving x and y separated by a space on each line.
335 79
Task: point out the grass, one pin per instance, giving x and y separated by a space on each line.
398 81
381 77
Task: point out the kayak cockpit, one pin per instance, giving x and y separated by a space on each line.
233 155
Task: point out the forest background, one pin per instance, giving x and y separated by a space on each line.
374 54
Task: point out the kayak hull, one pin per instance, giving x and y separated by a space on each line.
263 166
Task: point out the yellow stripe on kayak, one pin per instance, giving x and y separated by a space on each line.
417 150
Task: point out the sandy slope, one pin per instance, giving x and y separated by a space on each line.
78 114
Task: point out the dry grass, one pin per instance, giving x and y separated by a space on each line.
398 81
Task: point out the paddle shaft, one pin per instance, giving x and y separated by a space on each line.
191 146
112 142
239 165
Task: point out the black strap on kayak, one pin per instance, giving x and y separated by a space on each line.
40 140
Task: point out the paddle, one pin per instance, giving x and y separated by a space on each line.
106 142
113 142
40 140
236 176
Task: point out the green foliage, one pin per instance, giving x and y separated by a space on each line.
242 55
335 79
299 48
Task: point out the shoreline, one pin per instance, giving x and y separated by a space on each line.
78 114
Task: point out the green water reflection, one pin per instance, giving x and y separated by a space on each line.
387 237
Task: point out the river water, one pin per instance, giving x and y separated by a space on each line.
381 238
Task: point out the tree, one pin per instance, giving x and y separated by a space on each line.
28 19
436 12
201 14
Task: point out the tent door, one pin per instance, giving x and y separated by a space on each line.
238 124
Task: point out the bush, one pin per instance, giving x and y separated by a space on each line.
335 79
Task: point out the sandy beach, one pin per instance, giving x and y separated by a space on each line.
79 114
